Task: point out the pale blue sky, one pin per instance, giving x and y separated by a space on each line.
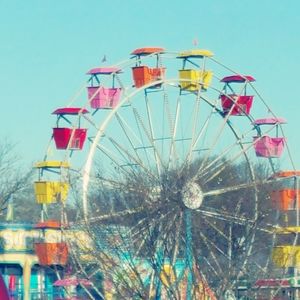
47 46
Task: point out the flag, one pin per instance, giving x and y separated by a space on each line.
104 58
195 42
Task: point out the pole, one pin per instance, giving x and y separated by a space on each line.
26 278
189 256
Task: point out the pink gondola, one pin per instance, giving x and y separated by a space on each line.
266 146
72 281
233 103
104 98
101 97
65 137
143 75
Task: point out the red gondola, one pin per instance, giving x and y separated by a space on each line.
66 137
233 103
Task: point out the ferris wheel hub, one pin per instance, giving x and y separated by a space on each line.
192 195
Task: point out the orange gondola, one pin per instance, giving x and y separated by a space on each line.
144 75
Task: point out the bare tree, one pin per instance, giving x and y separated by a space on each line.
15 179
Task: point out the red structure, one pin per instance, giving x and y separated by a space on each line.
233 103
72 138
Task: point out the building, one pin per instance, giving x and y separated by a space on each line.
22 272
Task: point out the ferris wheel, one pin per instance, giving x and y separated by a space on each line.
173 155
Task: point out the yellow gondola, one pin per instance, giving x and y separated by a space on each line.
50 191
193 80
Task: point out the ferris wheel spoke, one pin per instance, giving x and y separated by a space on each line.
253 184
235 218
112 157
225 216
217 136
218 230
167 114
233 188
124 213
173 155
194 126
125 127
220 163
197 139
110 182
220 160
194 133
140 133
152 139
242 151
223 165
212 268
213 245
258 251
239 220
143 225
133 161
157 222
209 246
157 158
125 155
